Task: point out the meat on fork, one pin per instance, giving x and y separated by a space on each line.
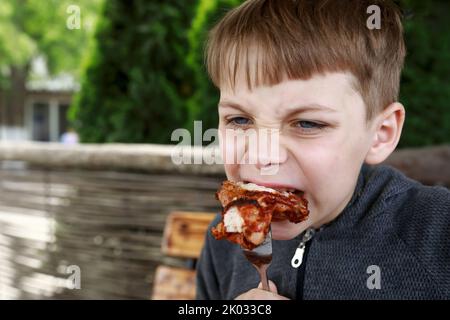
249 209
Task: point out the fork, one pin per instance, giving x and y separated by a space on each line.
261 257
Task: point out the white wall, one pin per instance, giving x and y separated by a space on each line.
13 133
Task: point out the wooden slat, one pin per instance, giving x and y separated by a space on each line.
184 233
173 284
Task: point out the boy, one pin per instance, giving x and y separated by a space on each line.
315 71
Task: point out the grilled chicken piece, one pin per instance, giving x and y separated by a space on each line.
248 210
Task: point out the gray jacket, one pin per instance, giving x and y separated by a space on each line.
393 228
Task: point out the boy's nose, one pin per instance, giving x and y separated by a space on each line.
269 153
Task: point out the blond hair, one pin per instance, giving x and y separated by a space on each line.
271 40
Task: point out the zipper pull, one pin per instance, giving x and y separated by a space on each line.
297 259
298 256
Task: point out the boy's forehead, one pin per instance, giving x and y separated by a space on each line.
326 89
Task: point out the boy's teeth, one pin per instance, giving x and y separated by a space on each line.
292 190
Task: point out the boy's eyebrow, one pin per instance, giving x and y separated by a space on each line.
229 104
310 107
290 111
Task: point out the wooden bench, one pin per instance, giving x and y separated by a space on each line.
183 237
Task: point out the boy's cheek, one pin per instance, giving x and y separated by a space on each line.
232 172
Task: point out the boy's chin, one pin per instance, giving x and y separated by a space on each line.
286 230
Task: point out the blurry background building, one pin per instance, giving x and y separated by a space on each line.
42 111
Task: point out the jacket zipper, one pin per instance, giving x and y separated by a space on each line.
300 260
297 259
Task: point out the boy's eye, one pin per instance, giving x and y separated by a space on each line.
309 125
238 121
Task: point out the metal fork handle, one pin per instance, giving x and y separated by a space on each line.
262 270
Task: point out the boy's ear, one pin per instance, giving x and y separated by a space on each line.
387 131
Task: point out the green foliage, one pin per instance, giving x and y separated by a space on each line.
425 87
203 104
36 27
16 46
136 81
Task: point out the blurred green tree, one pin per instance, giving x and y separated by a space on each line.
32 28
136 82
203 103
425 86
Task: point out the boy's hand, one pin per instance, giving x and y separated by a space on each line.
260 294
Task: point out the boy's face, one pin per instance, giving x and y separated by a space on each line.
322 144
